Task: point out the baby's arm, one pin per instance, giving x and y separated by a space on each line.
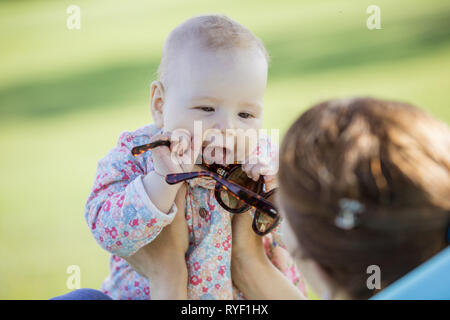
121 215
163 261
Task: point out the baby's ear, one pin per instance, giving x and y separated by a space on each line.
157 102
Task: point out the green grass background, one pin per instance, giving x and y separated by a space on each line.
65 96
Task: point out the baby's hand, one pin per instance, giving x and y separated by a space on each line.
167 160
256 166
180 157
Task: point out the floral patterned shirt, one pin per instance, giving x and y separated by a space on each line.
122 219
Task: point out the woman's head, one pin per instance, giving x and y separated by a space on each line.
389 158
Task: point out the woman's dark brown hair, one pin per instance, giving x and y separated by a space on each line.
391 157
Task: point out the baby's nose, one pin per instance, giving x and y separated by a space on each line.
224 124
227 133
226 129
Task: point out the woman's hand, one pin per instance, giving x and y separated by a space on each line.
162 261
247 251
251 270
246 244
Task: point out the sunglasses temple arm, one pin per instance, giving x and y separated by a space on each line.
175 178
141 149
245 195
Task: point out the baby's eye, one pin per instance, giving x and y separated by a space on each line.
245 115
205 108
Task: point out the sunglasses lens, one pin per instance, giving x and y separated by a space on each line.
231 201
264 223
239 177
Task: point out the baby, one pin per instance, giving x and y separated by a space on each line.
214 71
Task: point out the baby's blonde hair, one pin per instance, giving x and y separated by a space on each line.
214 32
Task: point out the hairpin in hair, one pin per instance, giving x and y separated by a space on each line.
349 211
448 233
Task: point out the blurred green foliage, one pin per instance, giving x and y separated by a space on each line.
66 95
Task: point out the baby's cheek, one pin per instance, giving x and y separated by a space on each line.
177 119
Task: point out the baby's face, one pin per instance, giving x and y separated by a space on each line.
222 89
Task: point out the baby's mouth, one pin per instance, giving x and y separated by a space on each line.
218 154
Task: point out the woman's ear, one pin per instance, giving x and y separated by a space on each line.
157 103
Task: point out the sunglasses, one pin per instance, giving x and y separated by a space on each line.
234 190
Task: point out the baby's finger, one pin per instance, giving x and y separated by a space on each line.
256 171
182 139
271 182
185 143
249 169
160 149
249 164
160 136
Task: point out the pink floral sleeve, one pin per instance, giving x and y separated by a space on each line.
118 211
